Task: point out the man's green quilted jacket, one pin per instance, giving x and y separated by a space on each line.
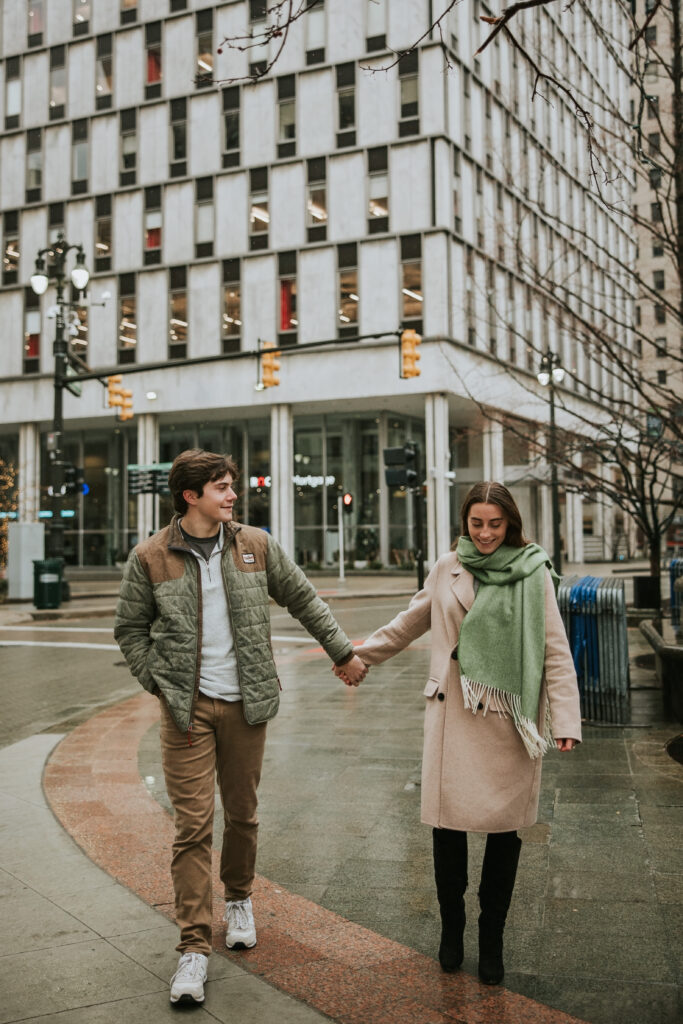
158 617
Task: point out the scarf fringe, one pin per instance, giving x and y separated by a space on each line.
475 693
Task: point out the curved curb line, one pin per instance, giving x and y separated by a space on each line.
341 969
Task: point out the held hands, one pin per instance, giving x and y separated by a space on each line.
565 745
351 672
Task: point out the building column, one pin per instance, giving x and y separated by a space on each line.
574 528
281 463
437 463
494 461
28 472
148 455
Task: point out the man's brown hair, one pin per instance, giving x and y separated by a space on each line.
193 469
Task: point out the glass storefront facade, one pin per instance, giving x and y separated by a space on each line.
332 455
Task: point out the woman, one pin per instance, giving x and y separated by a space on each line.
501 686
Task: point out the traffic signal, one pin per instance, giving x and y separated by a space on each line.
74 479
347 502
126 410
400 465
119 397
410 356
270 365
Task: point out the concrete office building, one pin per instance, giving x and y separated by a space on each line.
330 201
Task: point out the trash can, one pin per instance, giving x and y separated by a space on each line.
47 582
647 592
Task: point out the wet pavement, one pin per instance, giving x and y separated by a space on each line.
345 905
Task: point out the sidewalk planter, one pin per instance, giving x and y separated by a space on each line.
669 669
594 615
47 582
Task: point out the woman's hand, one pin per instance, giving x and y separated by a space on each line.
351 672
565 744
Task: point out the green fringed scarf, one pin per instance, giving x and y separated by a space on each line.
501 648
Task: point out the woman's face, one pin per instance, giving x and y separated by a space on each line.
487 525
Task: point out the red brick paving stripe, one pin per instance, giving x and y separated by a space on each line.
339 968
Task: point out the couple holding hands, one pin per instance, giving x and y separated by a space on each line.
193 623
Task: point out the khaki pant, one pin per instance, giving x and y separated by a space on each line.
224 746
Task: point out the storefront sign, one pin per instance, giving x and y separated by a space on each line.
300 481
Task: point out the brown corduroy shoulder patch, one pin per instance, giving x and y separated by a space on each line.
250 549
159 563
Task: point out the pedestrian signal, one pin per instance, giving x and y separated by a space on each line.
410 356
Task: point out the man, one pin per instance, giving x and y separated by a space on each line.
193 623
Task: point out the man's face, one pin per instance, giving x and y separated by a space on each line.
216 502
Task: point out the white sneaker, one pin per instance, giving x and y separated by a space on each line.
188 981
241 931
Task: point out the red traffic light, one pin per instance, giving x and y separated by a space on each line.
347 502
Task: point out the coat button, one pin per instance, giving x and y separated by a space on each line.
441 696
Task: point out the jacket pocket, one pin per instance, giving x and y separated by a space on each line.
432 688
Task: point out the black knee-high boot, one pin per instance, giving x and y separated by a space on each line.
498 874
450 872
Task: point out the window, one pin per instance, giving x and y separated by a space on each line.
129 147
651 35
656 212
286 140
79 157
660 347
129 11
204 71
657 247
152 253
653 143
12 92
153 65
78 324
55 221
258 28
316 200
346 105
57 83
104 73
411 282
347 262
409 123
231 126
655 177
658 280
103 236
638 317
660 314
82 10
31 331
315 32
378 190
259 217
375 36
177 317
36 22
178 5
231 327
178 138
203 218
661 376
128 317
653 107
34 165
287 315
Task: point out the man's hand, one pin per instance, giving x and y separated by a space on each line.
351 672
565 744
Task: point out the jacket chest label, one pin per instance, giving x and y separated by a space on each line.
248 558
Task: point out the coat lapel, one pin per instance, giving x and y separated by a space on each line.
462 585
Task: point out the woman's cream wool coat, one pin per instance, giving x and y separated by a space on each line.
476 773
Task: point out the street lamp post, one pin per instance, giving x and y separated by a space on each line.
57 254
550 374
